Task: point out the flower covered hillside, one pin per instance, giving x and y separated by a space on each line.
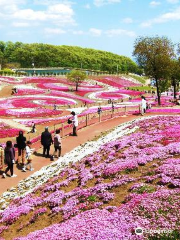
128 183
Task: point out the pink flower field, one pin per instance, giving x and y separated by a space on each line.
131 182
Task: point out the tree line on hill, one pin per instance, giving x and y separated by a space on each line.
39 55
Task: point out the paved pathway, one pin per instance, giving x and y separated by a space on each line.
68 143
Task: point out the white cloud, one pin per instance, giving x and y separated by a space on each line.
20 24
29 14
60 9
45 2
78 32
87 6
9 7
167 17
127 20
100 3
60 14
11 2
54 31
95 32
173 1
154 3
120 32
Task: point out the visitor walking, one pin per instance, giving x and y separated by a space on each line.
57 143
112 107
29 152
99 111
46 141
143 105
21 144
75 123
9 156
33 127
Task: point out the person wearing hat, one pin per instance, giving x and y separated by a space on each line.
46 141
75 123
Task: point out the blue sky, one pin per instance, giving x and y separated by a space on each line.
110 25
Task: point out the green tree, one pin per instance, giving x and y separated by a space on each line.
175 75
155 54
1 59
77 77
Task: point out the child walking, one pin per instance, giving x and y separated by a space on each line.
29 151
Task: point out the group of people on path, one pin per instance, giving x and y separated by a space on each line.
24 155
24 150
47 140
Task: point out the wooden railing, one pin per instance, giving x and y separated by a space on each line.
93 118
84 121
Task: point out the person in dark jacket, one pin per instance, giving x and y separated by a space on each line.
21 145
46 141
9 156
33 127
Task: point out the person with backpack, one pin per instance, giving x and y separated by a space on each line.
9 156
21 145
57 143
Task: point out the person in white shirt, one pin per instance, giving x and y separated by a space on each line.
75 123
29 151
143 105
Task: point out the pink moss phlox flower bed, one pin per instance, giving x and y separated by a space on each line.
93 211
28 122
40 80
34 101
30 91
10 80
118 94
109 95
117 82
131 92
31 113
63 81
71 96
11 132
7 131
164 110
52 86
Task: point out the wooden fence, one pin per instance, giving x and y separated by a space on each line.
87 120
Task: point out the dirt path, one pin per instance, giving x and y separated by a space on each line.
15 124
5 91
